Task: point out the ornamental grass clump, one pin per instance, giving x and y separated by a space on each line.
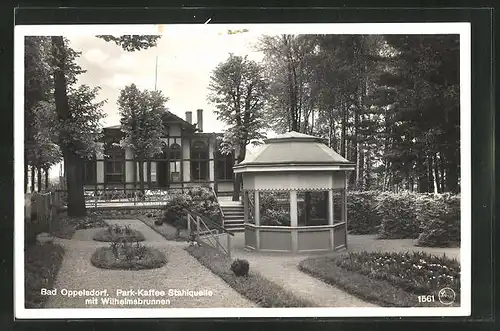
240 267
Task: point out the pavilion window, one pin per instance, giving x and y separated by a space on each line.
312 208
199 160
274 208
114 165
175 158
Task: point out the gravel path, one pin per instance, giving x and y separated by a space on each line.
182 272
283 270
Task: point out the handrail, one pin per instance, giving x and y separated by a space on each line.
207 220
218 204
200 222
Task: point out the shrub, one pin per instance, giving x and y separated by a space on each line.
440 221
127 256
119 233
41 263
240 267
362 213
398 212
199 199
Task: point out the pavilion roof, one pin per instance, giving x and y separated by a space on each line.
294 148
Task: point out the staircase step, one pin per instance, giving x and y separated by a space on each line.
232 211
234 214
236 220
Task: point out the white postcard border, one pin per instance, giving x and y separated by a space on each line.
463 29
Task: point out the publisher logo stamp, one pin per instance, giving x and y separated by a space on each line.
446 296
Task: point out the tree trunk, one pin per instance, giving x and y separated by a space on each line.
39 179
437 178
430 174
74 181
344 130
423 178
237 177
32 186
26 176
46 178
452 173
72 162
141 174
442 173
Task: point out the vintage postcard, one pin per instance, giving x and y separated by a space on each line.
242 170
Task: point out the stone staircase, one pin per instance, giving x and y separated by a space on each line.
233 216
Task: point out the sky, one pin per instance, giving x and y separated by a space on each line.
185 63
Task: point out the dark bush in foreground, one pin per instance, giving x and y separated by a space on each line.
361 212
127 256
254 287
42 263
440 219
119 233
240 267
388 279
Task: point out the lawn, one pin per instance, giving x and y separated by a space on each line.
42 263
254 287
388 279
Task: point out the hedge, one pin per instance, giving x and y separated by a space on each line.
432 218
361 213
440 221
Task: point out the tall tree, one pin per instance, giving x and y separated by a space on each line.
287 60
64 74
238 89
419 89
141 122
36 89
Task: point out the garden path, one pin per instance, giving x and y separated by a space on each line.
369 242
182 272
283 270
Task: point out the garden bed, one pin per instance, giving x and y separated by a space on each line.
388 279
67 226
42 263
168 231
254 287
127 256
118 233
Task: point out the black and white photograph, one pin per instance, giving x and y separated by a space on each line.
242 170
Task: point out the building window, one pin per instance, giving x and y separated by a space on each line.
115 165
175 162
224 166
89 172
199 161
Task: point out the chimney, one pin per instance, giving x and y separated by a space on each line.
189 117
200 119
